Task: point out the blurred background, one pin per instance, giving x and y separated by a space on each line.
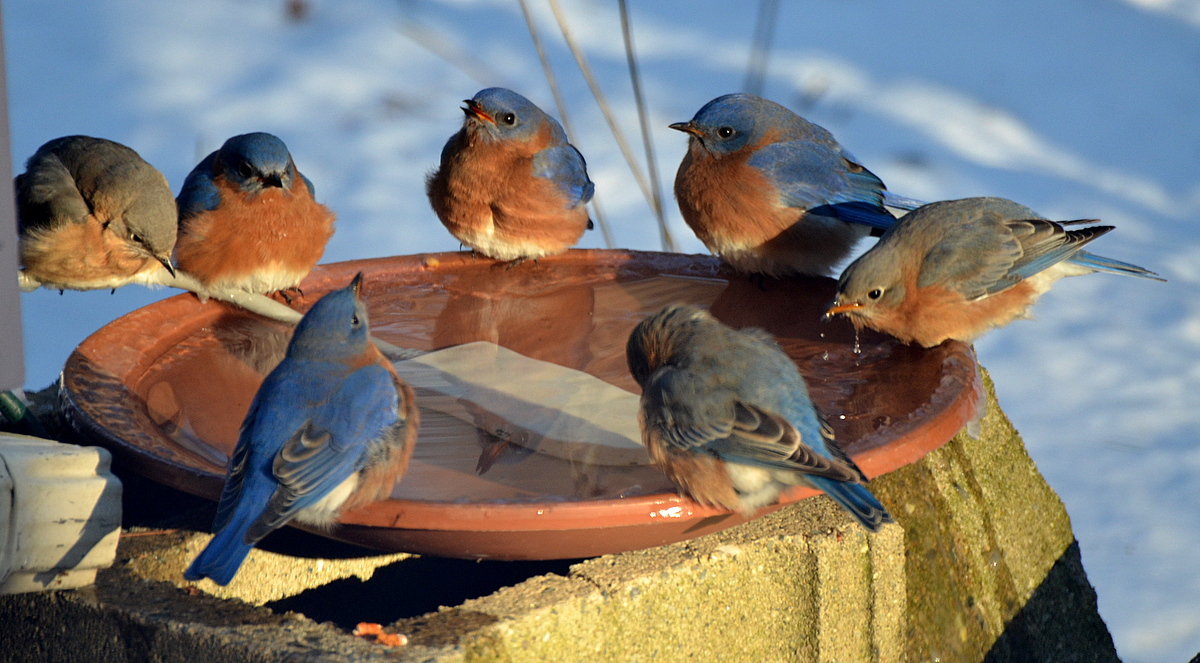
1077 108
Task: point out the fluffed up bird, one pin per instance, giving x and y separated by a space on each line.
727 416
958 268
93 214
772 193
331 428
248 220
509 185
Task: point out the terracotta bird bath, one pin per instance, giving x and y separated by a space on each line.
165 388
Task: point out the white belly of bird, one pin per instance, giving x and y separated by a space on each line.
756 486
501 248
324 512
271 278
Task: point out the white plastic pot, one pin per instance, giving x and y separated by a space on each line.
60 514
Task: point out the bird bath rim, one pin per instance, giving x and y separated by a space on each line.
118 355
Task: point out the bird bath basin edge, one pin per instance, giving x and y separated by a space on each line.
165 389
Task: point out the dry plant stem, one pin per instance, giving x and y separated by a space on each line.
255 303
664 233
586 70
601 219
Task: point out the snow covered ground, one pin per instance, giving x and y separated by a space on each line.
1077 108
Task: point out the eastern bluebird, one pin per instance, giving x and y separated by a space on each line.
248 220
958 268
772 193
510 186
331 428
93 214
726 415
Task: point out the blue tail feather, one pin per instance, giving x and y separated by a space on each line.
900 202
224 554
1102 264
855 499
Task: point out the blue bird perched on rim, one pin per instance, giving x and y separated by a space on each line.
727 416
772 193
331 428
248 219
509 185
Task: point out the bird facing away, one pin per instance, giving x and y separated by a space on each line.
772 193
248 220
331 428
726 415
958 268
509 185
93 214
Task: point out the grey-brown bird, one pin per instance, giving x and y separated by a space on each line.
93 214
726 415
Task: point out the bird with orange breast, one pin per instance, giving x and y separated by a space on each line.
958 268
248 219
772 193
93 214
509 185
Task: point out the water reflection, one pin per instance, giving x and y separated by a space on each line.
576 316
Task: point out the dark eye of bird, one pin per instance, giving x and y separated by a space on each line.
244 169
136 238
725 132
354 320
876 293
509 119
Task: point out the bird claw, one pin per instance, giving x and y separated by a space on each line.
287 298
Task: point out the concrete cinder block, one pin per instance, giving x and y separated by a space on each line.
798 585
981 566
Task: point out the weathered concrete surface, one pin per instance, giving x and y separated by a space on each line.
265 576
981 566
983 532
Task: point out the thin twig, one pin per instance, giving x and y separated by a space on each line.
664 233
764 31
586 70
562 113
447 50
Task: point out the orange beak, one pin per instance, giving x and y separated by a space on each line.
838 307
473 109
687 128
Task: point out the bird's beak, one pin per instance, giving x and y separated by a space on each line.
356 284
687 128
838 307
474 110
274 180
166 262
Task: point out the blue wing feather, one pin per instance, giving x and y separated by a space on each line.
564 165
198 194
333 443
812 175
254 501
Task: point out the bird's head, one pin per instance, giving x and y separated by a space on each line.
733 121
871 287
148 222
258 162
657 339
497 113
336 327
